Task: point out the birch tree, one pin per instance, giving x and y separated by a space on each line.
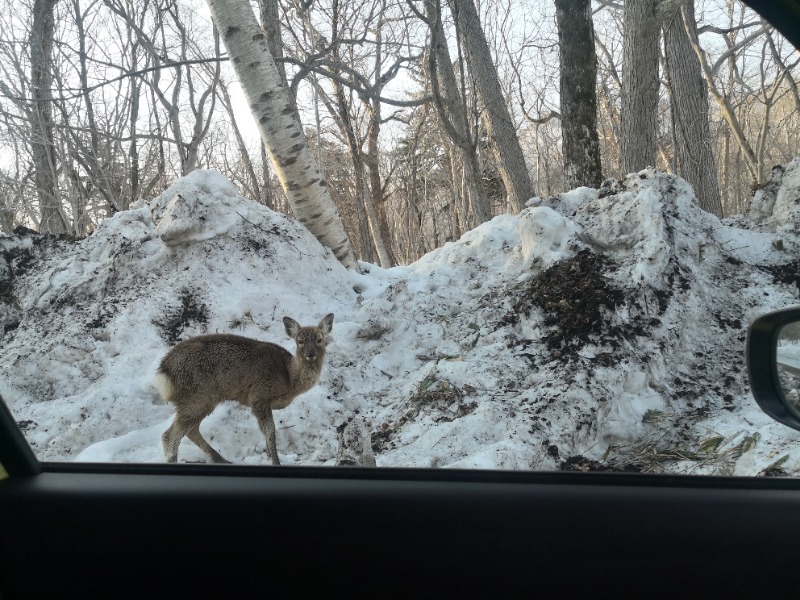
282 133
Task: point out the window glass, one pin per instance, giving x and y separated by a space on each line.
533 249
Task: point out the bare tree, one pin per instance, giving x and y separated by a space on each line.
135 90
689 99
357 115
499 125
273 110
453 115
639 85
771 82
253 184
43 147
581 145
381 76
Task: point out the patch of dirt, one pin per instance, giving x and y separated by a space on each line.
16 260
439 398
788 273
728 323
177 319
382 439
611 187
26 424
21 257
14 263
105 314
578 302
583 464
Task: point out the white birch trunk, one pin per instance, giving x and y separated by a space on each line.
280 129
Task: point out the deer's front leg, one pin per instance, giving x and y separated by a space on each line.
263 414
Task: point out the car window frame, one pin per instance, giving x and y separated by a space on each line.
657 534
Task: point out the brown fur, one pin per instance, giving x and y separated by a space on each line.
201 372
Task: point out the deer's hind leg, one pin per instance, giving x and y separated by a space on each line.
171 438
195 435
188 425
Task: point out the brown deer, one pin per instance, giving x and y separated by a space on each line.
201 372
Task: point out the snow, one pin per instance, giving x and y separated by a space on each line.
789 355
491 352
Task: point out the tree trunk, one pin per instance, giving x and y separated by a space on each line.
375 198
639 85
269 199
282 133
368 225
247 164
374 201
499 126
581 144
42 141
271 26
689 102
341 112
452 113
362 202
133 150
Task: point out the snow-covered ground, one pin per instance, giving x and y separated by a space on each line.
600 329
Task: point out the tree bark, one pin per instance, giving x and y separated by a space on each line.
375 198
499 126
639 85
374 201
271 26
42 141
250 172
339 108
689 102
581 144
282 133
453 114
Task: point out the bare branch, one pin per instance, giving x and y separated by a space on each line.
78 92
727 30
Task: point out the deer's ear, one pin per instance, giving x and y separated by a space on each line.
292 327
326 324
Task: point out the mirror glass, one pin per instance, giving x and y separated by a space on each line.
788 359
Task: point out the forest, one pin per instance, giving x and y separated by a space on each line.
424 118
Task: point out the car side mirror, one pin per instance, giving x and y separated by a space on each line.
773 364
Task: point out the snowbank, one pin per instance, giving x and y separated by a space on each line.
600 329
776 206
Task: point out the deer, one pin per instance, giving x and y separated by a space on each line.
200 373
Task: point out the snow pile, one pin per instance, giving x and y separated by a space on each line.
776 206
600 329
100 313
